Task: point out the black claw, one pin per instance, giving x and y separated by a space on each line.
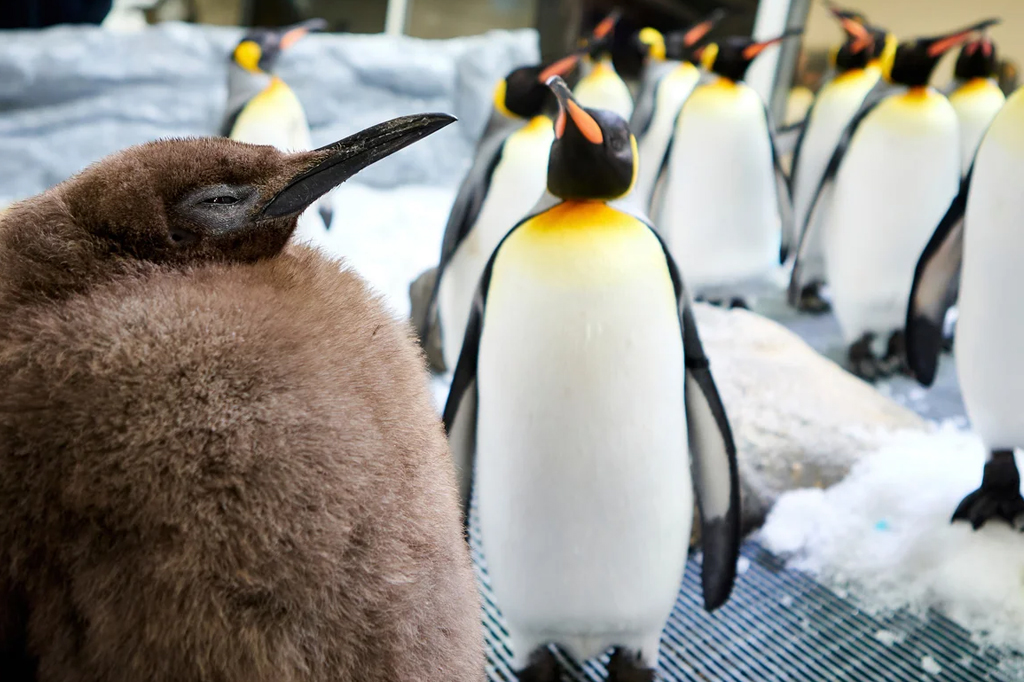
998 497
811 300
625 666
543 667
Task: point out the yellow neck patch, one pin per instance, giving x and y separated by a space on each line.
247 55
500 92
975 86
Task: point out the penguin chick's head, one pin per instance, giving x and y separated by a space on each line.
683 46
977 59
524 92
179 202
730 58
915 60
594 155
258 50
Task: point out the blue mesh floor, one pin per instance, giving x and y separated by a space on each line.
778 625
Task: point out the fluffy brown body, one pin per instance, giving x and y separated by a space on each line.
217 465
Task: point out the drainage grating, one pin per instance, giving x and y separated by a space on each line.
778 625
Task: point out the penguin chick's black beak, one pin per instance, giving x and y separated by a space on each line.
341 160
939 46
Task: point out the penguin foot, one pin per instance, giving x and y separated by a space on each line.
862 360
811 300
947 344
739 302
998 497
543 667
895 361
625 666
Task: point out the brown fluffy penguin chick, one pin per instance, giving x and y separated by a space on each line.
219 460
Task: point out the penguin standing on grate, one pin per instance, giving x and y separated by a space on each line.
981 233
580 396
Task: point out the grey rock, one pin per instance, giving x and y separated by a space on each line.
798 418
70 95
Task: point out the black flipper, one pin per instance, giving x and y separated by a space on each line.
822 196
783 191
934 277
463 215
715 468
459 415
794 168
643 112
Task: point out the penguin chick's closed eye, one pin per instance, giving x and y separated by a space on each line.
216 462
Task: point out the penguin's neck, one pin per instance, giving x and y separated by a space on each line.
976 84
243 85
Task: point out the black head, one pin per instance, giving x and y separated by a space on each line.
915 60
594 155
977 59
214 199
524 92
683 45
732 56
601 38
858 48
260 48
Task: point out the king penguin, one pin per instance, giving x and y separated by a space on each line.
888 183
722 198
219 457
659 103
601 86
580 396
503 185
262 109
858 78
980 233
977 97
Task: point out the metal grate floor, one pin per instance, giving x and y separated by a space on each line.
778 625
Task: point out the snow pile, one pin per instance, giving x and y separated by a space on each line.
884 533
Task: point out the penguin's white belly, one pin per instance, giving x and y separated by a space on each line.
582 477
518 181
836 106
990 327
894 185
671 94
720 211
976 104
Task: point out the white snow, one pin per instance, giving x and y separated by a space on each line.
930 665
884 533
389 236
888 637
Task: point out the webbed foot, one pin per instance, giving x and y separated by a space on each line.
998 497
626 666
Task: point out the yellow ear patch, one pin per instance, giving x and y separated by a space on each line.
247 55
500 92
655 42
708 56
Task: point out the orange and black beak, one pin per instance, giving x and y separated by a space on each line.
593 157
854 26
936 47
750 52
570 111
297 32
700 31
